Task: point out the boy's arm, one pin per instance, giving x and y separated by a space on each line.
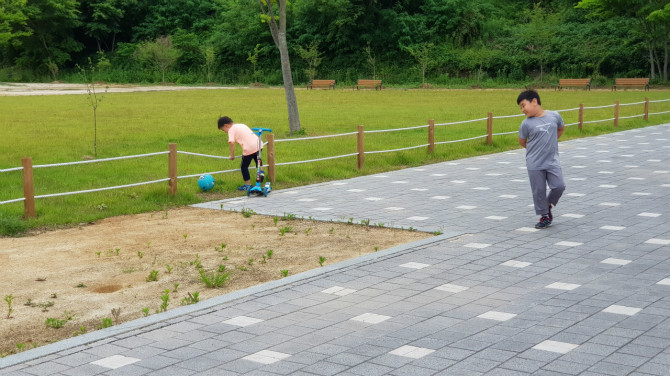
232 150
559 132
522 142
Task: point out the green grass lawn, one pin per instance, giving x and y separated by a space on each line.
53 129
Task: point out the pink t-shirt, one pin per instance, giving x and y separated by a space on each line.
244 136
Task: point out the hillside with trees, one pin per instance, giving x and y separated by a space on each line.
403 42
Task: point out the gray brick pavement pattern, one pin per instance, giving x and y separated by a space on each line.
588 296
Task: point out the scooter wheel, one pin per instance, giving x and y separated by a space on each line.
265 192
248 192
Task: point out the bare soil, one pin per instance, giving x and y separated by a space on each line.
79 275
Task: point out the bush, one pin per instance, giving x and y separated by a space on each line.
10 226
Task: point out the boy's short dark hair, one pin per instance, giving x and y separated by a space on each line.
223 120
528 95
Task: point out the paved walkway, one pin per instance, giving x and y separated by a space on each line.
491 296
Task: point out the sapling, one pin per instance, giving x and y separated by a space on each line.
106 323
176 286
308 231
284 230
270 253
54 323
191 298
284 273
250 262
9 299
321 260
140 254
275 220
169 268
145 311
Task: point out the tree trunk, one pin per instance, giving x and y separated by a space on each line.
279 36
651 64
665 62
291 100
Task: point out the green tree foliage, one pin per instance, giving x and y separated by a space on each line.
159 54
12 22
473 41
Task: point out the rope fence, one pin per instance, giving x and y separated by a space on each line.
27 167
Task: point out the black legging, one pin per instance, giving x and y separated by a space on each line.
244 166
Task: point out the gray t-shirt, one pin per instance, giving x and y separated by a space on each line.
542 140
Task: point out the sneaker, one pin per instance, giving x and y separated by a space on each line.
545 222
551 217
262 174
244 187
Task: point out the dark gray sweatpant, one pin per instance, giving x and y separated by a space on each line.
539 180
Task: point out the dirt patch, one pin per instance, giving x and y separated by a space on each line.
79 276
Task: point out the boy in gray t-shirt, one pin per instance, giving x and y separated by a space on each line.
539 134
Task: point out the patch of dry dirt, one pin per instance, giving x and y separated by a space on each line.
81 274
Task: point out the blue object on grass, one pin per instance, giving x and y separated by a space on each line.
206 182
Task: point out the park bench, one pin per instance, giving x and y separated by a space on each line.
376 84
326 84
631 82
585 82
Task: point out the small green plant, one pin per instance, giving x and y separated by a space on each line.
128 271
270 253
288 217
438 232
106 323
308 231
275 220
380 225
118 251
225 258
9 298
98 253
82 330
264 260
350 221
81 285
284 273
222 268
376 248
20 346
191 298
214 280
45 306
153 276
68 316
250 262
55 323
140 254
165 298
154 262
365 222
169 268
332 230
242 268
145 311
54 296
116 312
185 236
284 230
176 286
247 212
196 263
221 248
321 260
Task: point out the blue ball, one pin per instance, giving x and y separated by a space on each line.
206 182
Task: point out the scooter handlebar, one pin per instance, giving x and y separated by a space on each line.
261 129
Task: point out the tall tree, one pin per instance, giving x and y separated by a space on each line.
279 36
102 20
654 29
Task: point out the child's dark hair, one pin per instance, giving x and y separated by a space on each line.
223 120
529 95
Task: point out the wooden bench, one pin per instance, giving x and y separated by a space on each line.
327 84
376 84
563 82
631 82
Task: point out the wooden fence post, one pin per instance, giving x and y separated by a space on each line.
646 109
361 148
431 136
28 188
616 113
172 169
581 116
489 129
271 157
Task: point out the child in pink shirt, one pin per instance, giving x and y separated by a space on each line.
248 140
